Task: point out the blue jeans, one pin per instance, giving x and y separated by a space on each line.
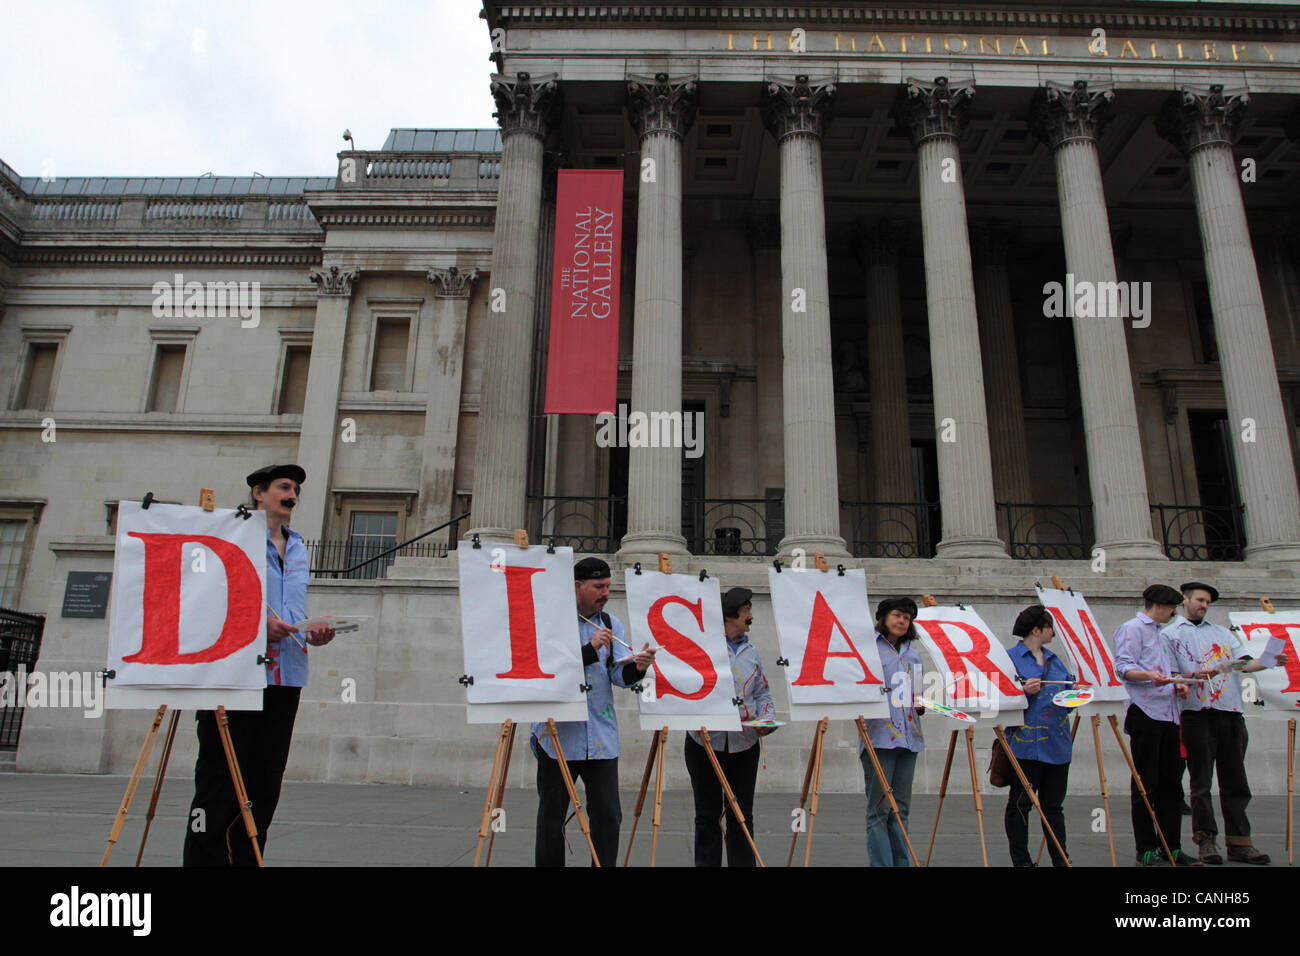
885 843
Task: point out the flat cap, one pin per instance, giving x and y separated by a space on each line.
1200 586
590 569
1162 594
264 476
734 600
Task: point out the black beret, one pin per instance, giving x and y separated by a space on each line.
1028 619
1199 586
264 476
906 605
590 569
734 600
1162 594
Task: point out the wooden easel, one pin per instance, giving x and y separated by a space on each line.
207 501
1267 605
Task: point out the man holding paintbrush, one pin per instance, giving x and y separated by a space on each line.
214 834
590 746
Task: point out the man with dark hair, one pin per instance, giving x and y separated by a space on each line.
590 746
1144 661
215 835
1213 727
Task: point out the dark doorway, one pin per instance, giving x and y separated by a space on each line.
925 492
1216 480
693 506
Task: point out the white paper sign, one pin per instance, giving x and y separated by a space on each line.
978 674
189 599
826 628
519 628
1080 643
692 683
1265 636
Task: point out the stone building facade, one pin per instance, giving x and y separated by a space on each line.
842 257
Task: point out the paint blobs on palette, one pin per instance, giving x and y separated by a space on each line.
1076 697
945 711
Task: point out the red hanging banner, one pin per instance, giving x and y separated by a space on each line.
582 359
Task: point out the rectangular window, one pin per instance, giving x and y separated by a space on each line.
371 533
389 371
13 536
165 389
293 384
38 375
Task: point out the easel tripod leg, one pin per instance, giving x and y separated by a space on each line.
1024 782
943 789
975 791
236 778
163 758
133 782
1290 785
819 750
659 795
640 796
803 793
1101 776
573 791
731 797
501 791
889 791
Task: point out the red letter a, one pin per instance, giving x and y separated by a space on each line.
162 600
817 649
523 624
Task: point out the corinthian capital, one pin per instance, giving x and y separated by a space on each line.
334 281
927 110
451 283
1195 116
797 106
525 104
1061 114
659 104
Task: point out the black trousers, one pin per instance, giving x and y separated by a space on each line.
1049 782
600 780
741 770
1216 743
1156 755
216 837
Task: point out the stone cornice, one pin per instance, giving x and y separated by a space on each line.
29 254
1019 16
478 219
202 423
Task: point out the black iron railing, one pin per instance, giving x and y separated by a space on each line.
1046 532
1200 532
892 529
728 526
367 560
20 645
591 525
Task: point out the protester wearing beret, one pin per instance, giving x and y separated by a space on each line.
1042 745
590 746
1145 662
214 836
737 752
1213 728
898 740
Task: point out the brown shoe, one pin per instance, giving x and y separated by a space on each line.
1247 854
1209 853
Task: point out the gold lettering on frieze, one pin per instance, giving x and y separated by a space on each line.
853 42
950 49
1240 47
1208 47
729 37
1128 46
1045 53
997 45
1020 45
875 43
1154 54
769 40
1269 50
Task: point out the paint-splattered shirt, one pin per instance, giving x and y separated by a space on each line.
1045 734
1206 646
756 694
595 738
1139 646
902 675
286 592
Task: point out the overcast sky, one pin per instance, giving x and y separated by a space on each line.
232 87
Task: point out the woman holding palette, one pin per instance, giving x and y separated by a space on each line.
1042 745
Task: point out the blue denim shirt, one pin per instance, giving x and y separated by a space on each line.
903 728
595 738
286 592
1140 646
1045 734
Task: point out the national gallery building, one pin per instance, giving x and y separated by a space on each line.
967 295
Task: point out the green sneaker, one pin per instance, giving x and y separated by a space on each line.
1183 859
1152 858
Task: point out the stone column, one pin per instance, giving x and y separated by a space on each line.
933 114
319 435
525 106
1069 119
661 110
997 321
442 414
1203 123
796 113
764 234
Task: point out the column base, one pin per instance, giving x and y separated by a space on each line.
646 546
1280 551
831 545
971 547
1141 549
